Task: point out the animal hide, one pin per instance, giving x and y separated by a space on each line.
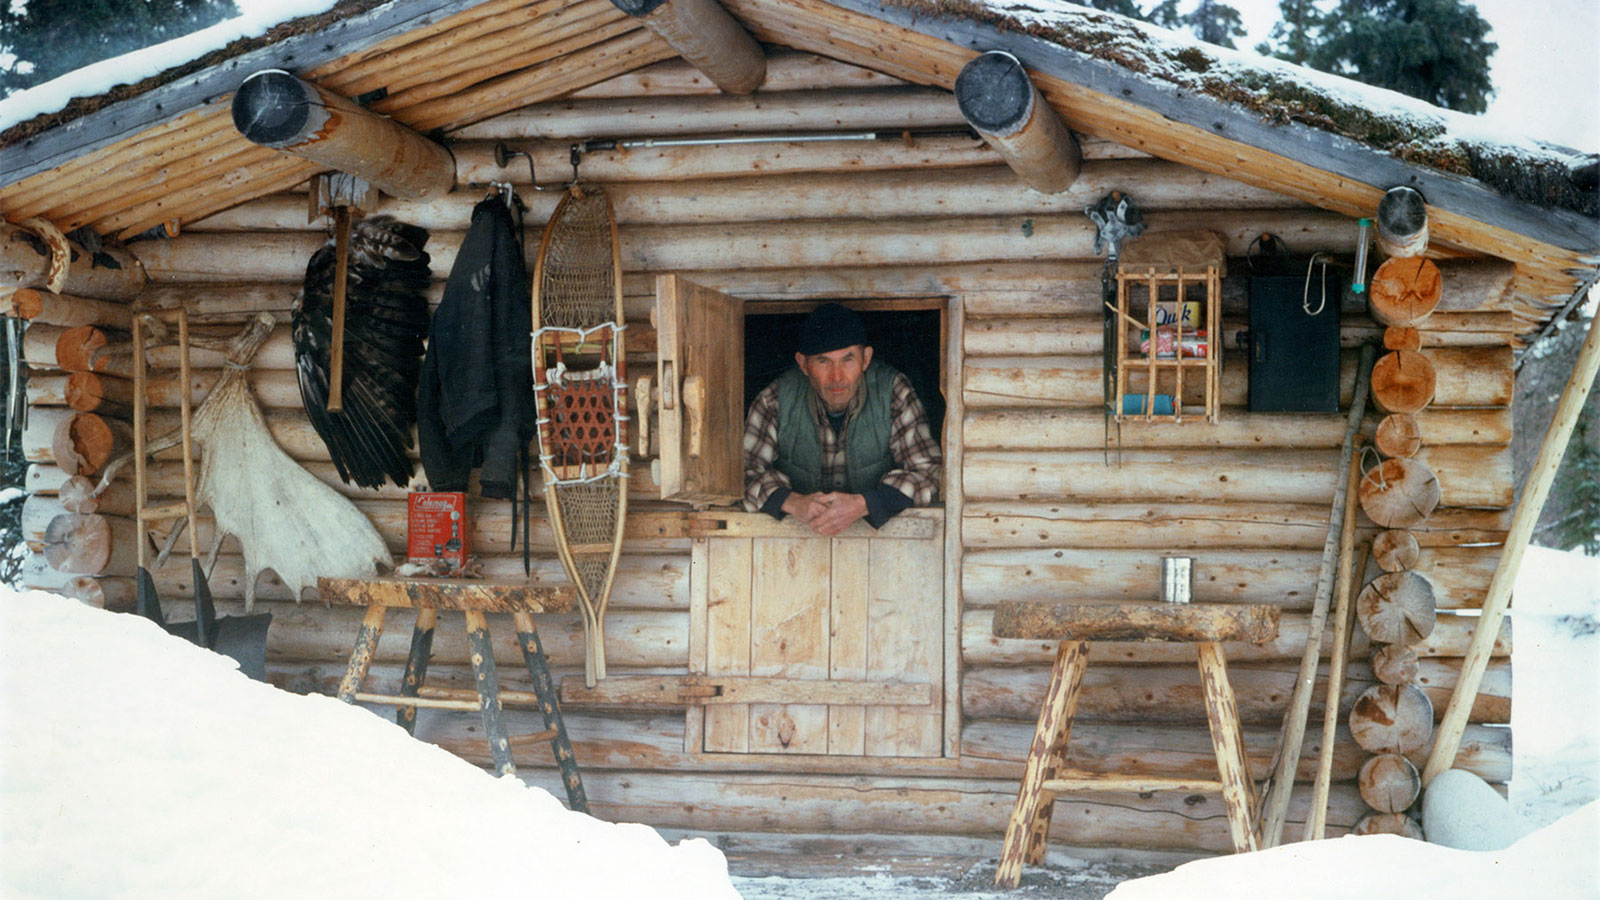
386 317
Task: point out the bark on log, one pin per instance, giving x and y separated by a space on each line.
1403 381
1402 222
1398 435
91 544
706 36
108 593
47 308
1475 283
83 443
277 110
1405 290
1389 823
1397 608
1136 622
999 100
1395 664
1400 493
1395 551
1392 718
110 273
1389 783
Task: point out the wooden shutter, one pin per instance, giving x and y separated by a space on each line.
700 371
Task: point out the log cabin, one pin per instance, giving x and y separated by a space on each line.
779 153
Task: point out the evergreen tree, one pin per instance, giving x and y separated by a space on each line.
48 38
1127 8
1296 33
1212 22
1434 50
1580 482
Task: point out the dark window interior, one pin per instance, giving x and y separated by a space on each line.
909 340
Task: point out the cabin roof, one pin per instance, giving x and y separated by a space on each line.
164 149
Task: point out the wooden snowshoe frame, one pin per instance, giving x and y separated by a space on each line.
580 393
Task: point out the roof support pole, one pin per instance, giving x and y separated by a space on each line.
1000 101
277 110
707 37
1447 738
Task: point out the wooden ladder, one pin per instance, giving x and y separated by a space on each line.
145 513
473 598
1046 774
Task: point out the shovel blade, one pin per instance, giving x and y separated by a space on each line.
244 639
146 603
205 611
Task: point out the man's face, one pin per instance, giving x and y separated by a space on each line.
836 375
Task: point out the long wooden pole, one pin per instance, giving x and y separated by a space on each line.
1275 805
1344 621
1448 737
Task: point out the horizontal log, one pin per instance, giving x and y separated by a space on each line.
1173 694
1200 525
1292 476
66 310
1187 752
38 575
1475 284
109 592
1076 429
282 256
787 70
1175 622
986 190
644 582
1460 575
110 273
90 544
310 632
893 109
980 647
1467 376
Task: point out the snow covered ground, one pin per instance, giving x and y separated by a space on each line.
135 765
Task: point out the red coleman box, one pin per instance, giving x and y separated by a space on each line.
436 527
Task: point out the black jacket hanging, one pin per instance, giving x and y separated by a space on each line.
475 407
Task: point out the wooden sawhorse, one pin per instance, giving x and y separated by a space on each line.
1074 625
474 598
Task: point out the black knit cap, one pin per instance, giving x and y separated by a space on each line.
828 328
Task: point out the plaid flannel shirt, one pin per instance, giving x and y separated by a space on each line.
918 462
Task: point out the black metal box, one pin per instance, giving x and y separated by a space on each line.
1294 341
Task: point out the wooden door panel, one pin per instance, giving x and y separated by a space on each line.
847 654
789 626
727 728
700 374
855 614
906 616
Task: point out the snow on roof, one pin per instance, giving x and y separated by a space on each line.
169 59
1412 130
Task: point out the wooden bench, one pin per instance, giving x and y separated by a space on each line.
1074 625
473 598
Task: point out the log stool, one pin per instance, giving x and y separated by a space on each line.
474 598
1074 625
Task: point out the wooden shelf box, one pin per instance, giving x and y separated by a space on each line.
1168 356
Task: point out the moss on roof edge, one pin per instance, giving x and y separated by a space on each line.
1553 178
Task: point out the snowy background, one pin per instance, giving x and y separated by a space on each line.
133 764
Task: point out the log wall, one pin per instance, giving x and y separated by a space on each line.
1040 509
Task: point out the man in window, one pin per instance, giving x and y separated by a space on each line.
839 437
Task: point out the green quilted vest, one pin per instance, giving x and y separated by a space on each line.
866 436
